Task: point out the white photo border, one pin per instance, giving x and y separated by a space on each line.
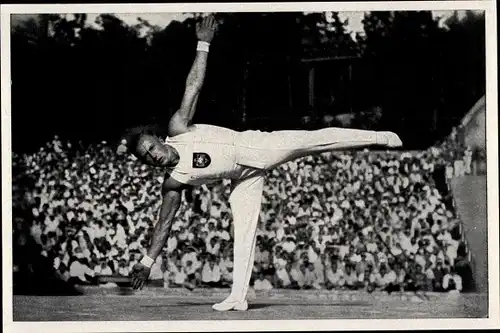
493 320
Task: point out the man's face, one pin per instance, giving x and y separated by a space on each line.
151 151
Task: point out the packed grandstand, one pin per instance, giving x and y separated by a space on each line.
371 220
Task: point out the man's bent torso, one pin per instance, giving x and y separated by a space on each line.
207 154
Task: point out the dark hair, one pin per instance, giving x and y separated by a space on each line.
132 135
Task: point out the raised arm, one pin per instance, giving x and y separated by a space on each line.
181 120
170 205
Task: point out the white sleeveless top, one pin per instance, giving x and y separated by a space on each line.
206 154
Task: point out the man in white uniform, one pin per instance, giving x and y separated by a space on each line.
200 154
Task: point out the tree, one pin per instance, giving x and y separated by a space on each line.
464 47
409 61
89 80
326 35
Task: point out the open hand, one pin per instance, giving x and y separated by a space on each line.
205 29
140 275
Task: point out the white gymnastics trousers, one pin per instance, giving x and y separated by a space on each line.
244 157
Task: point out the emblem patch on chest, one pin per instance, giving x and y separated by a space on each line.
201 160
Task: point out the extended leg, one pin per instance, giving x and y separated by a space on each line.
245 203
267 150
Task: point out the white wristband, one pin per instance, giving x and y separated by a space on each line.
203 46
147 261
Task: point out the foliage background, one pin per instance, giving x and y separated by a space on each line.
87 83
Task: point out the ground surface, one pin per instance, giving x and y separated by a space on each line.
160 304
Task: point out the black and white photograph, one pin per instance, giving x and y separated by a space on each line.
194 167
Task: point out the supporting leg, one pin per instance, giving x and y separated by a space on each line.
245 203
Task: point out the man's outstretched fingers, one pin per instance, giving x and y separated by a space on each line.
215 23
136 282
211 22
133 283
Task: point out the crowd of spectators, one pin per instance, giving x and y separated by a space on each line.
368 220
460 159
